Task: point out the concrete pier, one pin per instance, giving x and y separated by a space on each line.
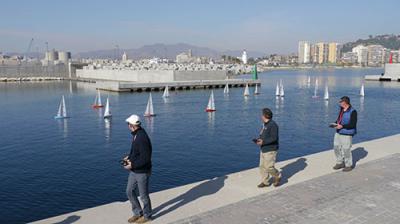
181 85
201 202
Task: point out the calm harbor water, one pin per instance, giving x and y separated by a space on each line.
49 167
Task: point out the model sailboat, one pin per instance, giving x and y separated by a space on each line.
362 93
246 90
107 112
62 110
277 91
256 91
97 101
166 92
226 89
326 94
281 90
309 80
211 104
149 108
316 89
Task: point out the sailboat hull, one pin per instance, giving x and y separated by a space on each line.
97 106
149 115
108 116
210 110
60 117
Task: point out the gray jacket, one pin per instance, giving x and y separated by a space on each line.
270 136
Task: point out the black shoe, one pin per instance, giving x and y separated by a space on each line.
347 169
339 166
262 185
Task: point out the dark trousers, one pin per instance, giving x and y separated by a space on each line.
140 182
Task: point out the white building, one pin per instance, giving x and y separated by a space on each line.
244 57
304 52
124 57
362 54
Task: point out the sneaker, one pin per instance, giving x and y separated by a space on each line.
277 180
262 185
338 166
134 218
347 169
143 220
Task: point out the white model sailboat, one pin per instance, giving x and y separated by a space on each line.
211 103
226 89
281 90
246 90
309 80
62 110
97 101
362 92
107 112
316 89
277 91
166 92
326 94
149 108
256 91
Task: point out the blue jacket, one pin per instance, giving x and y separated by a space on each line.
141 151
348 119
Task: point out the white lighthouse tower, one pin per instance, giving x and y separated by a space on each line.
244 57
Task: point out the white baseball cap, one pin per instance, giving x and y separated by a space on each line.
133 119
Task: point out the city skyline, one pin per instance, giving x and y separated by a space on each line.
265 26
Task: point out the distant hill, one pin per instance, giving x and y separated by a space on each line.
163 51
389 41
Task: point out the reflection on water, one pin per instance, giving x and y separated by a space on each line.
107 128
63 126
150 124
361 104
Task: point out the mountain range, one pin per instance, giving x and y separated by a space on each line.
163 51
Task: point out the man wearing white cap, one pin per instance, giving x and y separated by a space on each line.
138 162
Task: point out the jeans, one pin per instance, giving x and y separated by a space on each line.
140 182
267 166
342 147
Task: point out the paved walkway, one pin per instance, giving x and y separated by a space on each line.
193 199
369 194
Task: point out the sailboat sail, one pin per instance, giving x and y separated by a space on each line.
282 90
107 112
62 110
256 92
149 108
166 92
277 91
226 89
309 80
211 104
326 94
246 90
316 89
97 100
362 92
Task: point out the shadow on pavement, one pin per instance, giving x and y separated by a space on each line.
69 219
358 154
291 169
204 189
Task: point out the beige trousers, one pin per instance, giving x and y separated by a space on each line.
267 166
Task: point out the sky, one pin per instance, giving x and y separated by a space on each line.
257 25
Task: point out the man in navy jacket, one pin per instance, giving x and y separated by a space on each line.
139 164
345 130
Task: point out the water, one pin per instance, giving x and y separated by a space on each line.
49 167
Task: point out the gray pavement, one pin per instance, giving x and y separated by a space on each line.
369 194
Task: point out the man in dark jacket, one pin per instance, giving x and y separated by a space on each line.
346 128
269 145
139 164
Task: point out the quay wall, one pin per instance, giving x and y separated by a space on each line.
146 76
31 71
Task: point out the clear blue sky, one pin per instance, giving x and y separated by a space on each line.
262 25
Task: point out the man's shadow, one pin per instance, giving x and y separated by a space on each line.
291 169
358 154
204 189
69 220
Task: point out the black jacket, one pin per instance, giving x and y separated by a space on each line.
270 136
141 149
